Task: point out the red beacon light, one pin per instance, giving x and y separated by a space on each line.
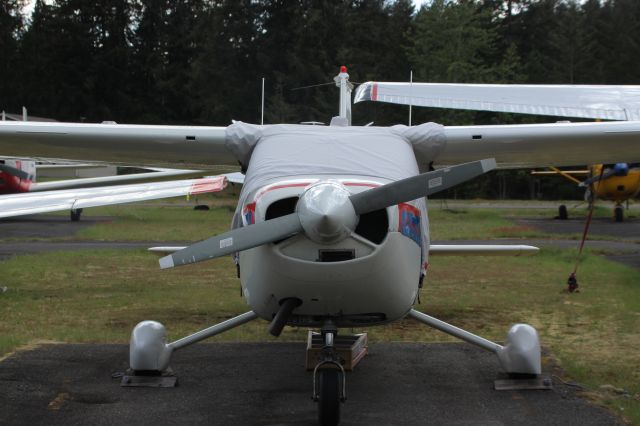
343 69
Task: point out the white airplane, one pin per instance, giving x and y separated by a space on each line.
331 229
18 178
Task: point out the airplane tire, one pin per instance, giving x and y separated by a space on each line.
618 214
562 212
329 398
75 215
202 207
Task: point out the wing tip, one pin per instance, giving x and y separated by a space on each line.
488 164
166 262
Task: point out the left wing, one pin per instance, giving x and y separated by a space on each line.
73 199
541 145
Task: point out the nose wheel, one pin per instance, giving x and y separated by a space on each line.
329 381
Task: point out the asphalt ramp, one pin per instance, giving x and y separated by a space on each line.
266 384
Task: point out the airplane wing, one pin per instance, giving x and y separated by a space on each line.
185 146
72 199
553 172
474 250
540 145
156 174
434 250
585 101
526 145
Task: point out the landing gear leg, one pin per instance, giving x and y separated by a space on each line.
75 214
562 212
329 379
618 213
149 352
520 355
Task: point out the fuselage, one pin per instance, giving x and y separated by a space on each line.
370 277
615 188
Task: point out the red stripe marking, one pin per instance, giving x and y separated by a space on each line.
202 186
374 92
303 184
290 185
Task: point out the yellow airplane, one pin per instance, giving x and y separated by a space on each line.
618 183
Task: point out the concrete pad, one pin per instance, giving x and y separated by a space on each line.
266 383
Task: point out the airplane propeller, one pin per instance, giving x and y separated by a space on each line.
327 213
620 169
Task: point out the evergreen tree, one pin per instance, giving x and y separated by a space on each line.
11 28
56 54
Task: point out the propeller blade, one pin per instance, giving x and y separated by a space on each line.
593 179
422 185
235 240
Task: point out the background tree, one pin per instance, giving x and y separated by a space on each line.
11 29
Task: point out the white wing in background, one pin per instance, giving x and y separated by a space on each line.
583 101
155 174
71 199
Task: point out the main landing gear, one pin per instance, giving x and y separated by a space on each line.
329 379
562 212
520 356
149 352
618 213
75 214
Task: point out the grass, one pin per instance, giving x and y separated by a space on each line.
98 296
482 223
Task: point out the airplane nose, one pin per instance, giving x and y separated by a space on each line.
326 213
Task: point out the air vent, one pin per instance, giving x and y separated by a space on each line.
373 226
336 255
281 207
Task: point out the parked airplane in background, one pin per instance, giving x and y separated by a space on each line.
619 183
331 229
18 177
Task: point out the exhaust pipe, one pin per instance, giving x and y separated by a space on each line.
280 319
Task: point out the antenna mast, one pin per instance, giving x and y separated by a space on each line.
342 81
262 109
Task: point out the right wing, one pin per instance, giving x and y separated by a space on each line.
117 143
72 199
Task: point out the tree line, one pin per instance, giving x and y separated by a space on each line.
202 61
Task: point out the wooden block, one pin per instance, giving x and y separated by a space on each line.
351 349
